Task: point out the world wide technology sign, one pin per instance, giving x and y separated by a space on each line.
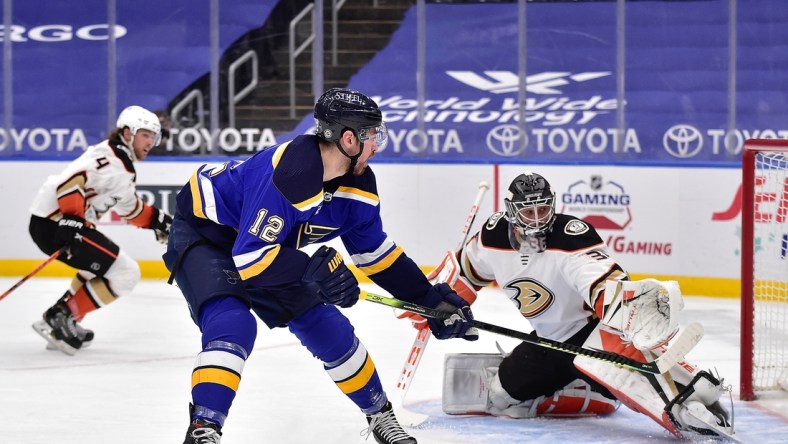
676 84
675 87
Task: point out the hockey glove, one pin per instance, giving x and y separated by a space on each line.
160 224
70 229
328 277
643 312
447 271
460 322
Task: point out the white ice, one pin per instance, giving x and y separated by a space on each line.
133 383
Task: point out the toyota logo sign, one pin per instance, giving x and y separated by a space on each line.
682 141
504 140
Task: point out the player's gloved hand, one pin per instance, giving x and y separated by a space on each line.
70 229
161 225
459 324
328 277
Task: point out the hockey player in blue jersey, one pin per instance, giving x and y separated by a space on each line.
234 247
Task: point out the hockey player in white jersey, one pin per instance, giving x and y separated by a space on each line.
558 272
65 213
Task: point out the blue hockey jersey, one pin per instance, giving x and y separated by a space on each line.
276 202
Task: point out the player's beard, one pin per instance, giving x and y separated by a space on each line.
361 166
359 169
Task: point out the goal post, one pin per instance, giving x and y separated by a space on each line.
764 267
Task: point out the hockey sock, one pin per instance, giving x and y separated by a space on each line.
88 295
228 334
328 334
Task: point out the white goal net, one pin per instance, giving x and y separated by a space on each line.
764 267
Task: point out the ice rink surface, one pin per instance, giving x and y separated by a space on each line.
132 384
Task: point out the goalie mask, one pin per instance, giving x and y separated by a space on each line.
530 211
341 109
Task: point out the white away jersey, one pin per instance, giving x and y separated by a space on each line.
554 289
102 178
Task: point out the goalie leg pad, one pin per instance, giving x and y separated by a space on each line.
631 388
683 399
466 378
472 386
577 399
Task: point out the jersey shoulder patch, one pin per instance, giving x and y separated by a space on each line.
495 233
298 171
570 233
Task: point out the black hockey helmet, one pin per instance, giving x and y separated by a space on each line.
530 205
342 109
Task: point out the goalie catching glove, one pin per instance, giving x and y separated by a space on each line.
644 312
328 277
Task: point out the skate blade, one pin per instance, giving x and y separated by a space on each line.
53 348
45 331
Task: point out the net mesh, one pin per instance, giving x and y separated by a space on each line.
770 267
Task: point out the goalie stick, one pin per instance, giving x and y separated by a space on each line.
406 417
681 344
38 268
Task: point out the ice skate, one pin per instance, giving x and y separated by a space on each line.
82 332
61 331
385 428
203 432
698 408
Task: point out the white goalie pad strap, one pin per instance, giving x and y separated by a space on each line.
644 312
466 379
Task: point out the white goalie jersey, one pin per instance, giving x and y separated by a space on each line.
554 289
101 179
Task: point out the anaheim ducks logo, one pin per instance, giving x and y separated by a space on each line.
531 297
576 227
493 221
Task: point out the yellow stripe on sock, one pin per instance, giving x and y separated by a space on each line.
216 376
359 380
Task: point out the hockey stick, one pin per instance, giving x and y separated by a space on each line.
38 268
407 417
681 345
